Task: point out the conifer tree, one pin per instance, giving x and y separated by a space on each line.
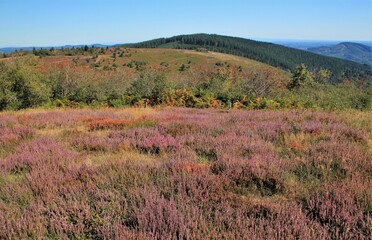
300 77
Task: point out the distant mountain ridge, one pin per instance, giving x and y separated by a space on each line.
269 53
8 50
347 50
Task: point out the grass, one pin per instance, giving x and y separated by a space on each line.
176 173
199 62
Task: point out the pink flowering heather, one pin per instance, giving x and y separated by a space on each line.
179 173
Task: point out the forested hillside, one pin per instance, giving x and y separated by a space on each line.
275 55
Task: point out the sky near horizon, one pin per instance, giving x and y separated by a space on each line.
61 22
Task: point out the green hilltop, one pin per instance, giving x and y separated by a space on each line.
269 53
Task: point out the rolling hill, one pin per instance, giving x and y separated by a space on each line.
347 50
272 54
119 76
168 61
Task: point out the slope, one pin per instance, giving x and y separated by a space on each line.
272 54
175 63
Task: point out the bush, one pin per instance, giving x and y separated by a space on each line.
21 89
150 85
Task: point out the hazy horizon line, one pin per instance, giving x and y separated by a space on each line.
273 40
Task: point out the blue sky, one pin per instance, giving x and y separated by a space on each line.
60 22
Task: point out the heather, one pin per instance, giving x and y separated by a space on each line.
178 173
